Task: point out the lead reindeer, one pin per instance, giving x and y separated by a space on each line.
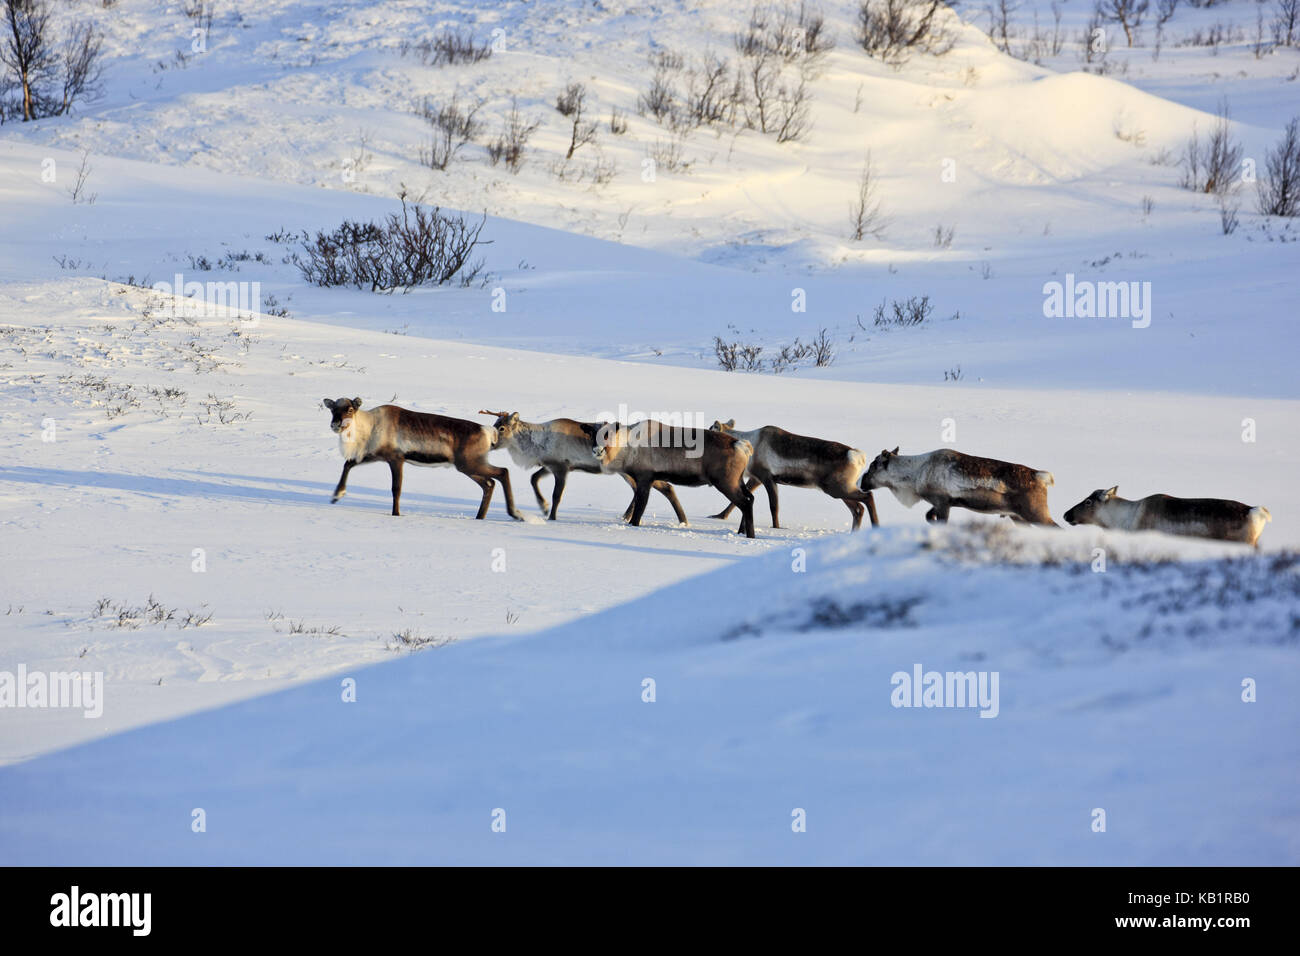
784 458
398 435
949 479
651 451
560 446
1216 518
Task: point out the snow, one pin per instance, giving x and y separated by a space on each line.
500 664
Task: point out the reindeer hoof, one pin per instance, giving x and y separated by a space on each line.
335 499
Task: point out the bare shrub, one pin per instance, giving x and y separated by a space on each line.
509 147
823 350
81 60
448 48
77 191
418 247
901 313
943 236
794 35
1001 14
1212 166
1286 22
865 216
571 103
570 100
454 127
660 100
892 30
1092 39
668 154
1213 36
617 121
710 90
1228 207
1127 13
50 77
737 355
1279 189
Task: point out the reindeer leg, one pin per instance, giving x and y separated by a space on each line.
561 477
742 499
627 512
665 489
725 513
747 513
342 488
769 485
537 489
865 498
855 508
938 513
639 501
395 466
487 484
503 476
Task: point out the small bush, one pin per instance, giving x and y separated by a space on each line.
454 127
902 313
572 104
891 30
448 48
417 247
865 216
509 147
736 355
1212 166
1279 189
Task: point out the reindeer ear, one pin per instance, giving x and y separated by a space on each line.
356 403
513 419
731 423
895 451
1110 492
328 403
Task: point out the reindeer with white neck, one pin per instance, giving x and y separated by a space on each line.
398 435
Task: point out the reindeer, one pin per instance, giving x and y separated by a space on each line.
1215 518
560 446
397 435
651 451
784 458
947 479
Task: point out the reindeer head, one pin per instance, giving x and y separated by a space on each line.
506 424
1085 512
610 440
728 426
875 474
343 410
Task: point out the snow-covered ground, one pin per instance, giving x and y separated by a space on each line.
164 493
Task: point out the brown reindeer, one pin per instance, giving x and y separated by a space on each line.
949 479
1216 518
784 458
560 446
398 435
651 451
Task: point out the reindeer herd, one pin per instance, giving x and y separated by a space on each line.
652 456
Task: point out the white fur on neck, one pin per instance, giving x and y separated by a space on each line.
355 436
